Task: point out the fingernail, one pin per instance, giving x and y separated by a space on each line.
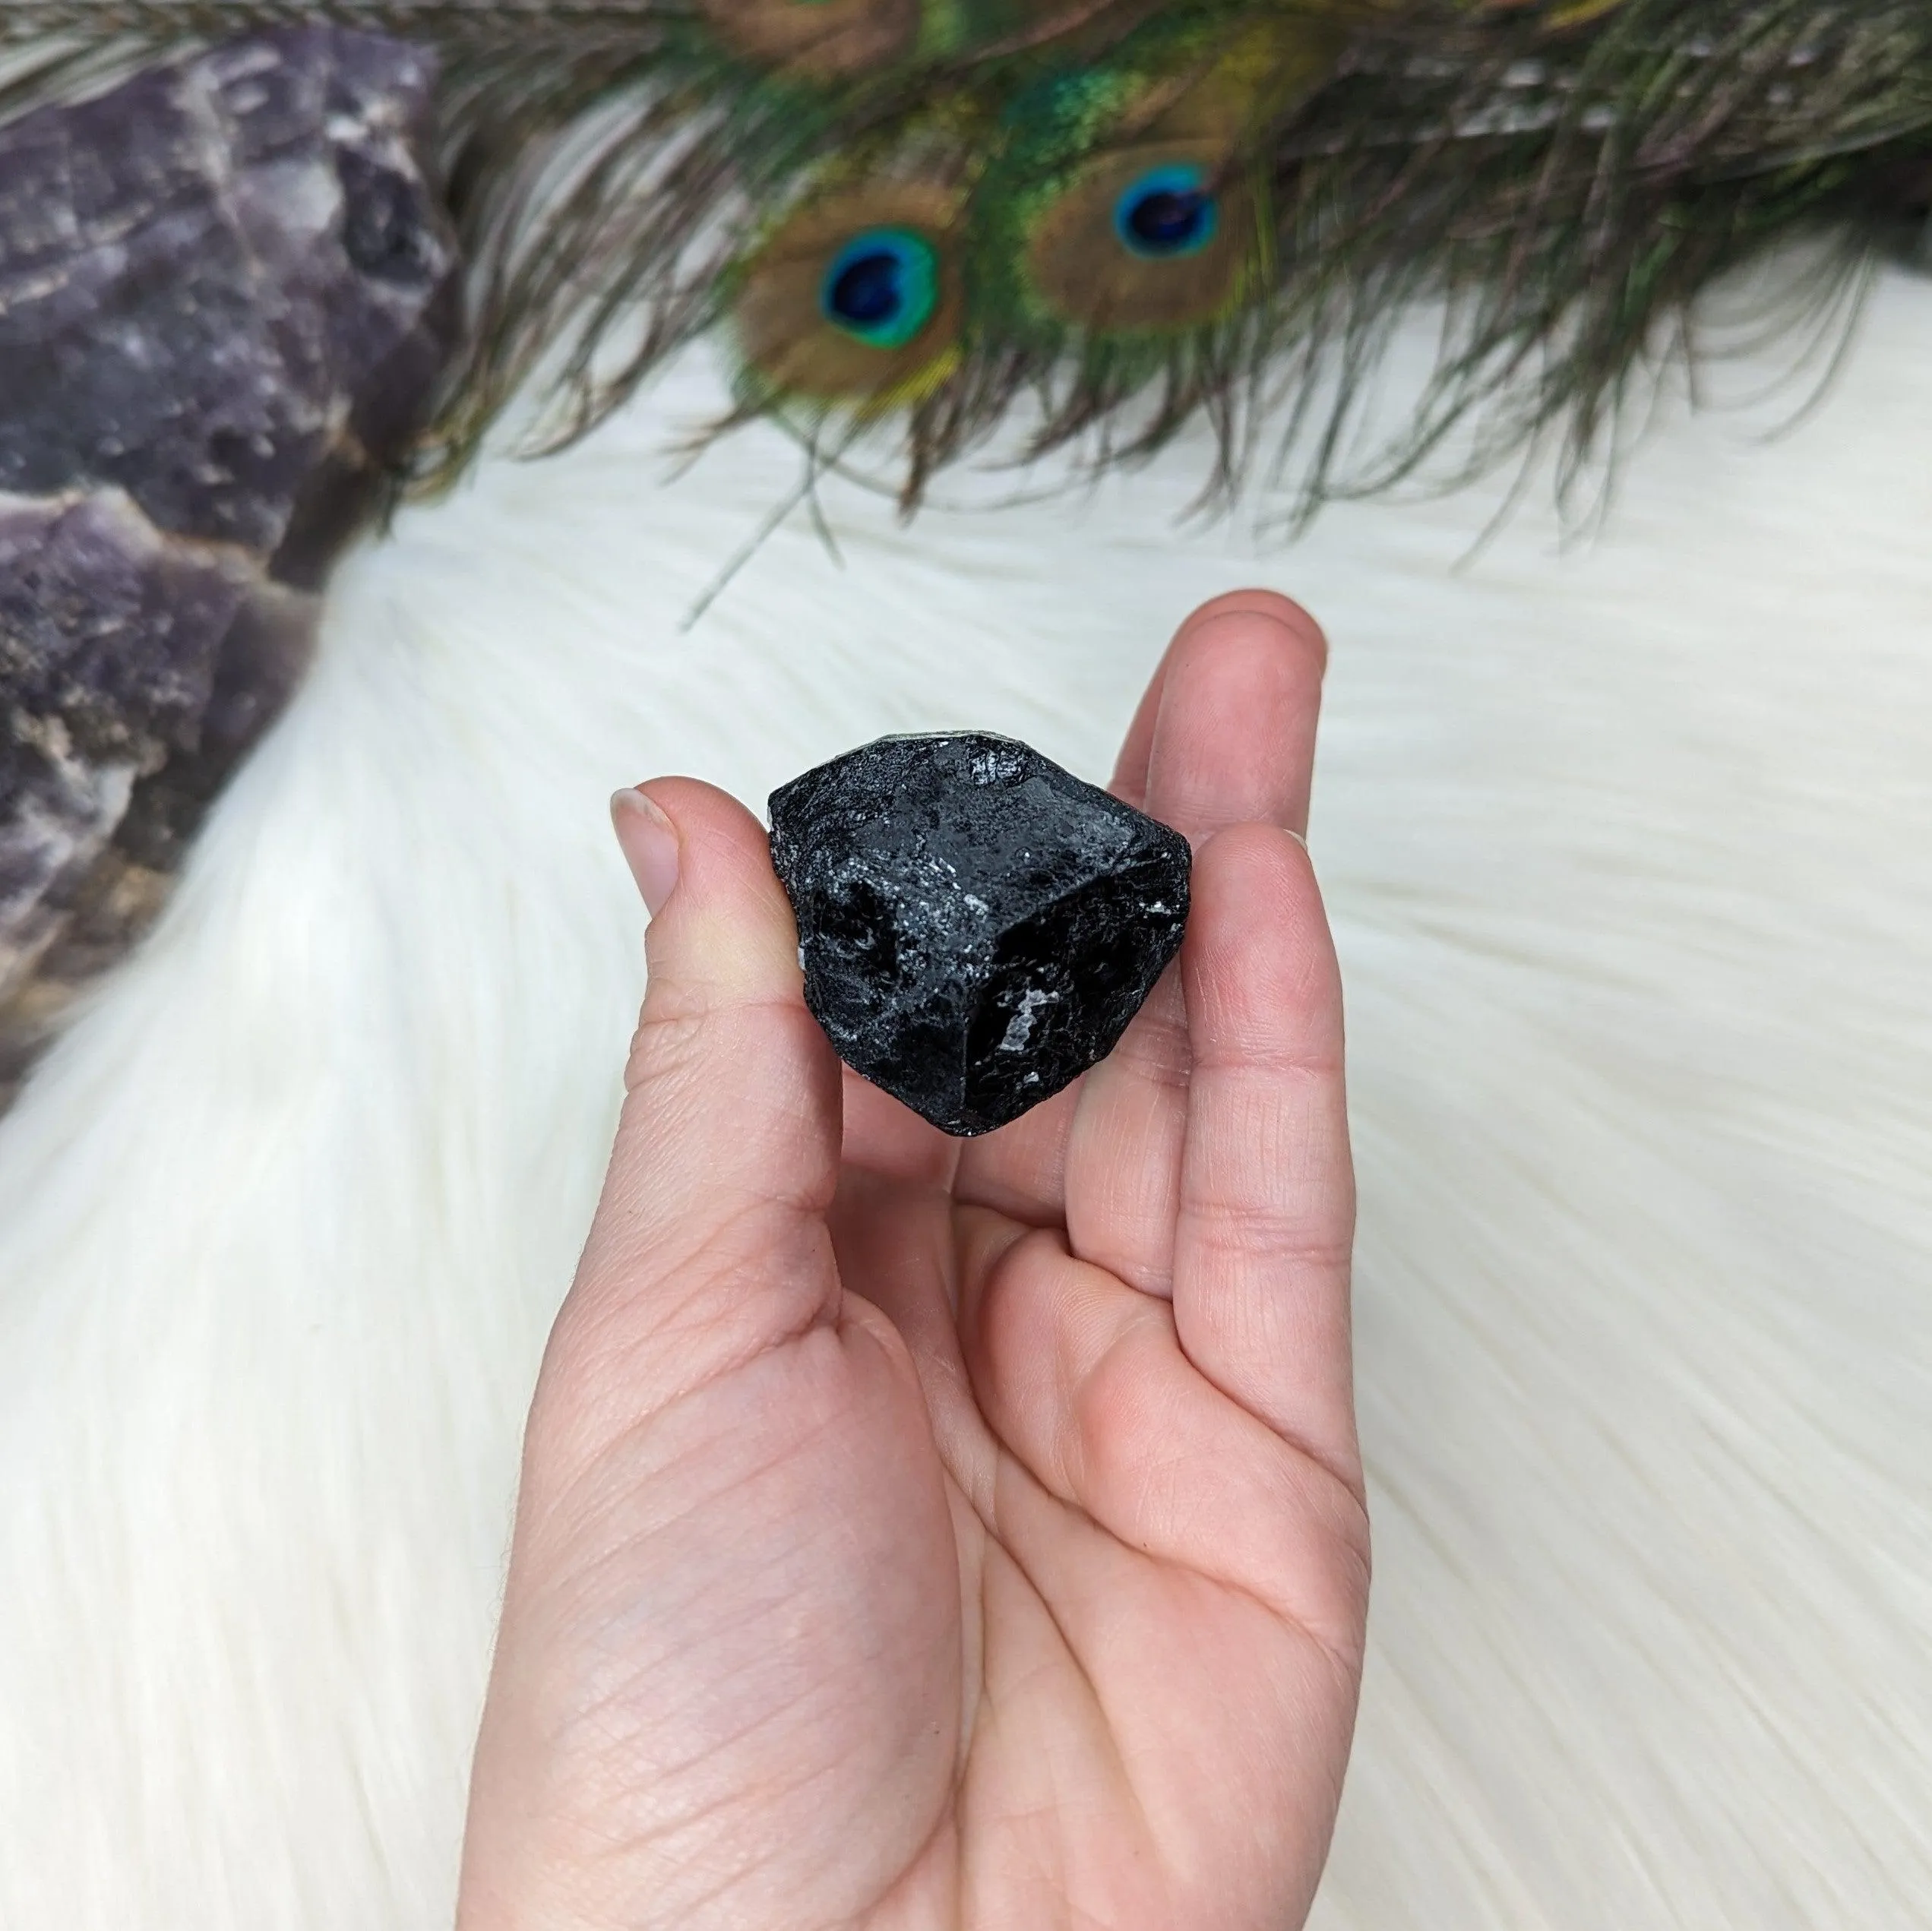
650 842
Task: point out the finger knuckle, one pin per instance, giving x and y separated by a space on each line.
666 1045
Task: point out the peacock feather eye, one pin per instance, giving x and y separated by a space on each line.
854 298
882 287
1167 211
1141 242
1125 205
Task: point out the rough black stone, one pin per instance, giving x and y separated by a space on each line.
976 925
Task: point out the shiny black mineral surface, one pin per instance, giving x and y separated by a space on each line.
977 926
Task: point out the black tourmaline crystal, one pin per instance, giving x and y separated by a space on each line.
976 925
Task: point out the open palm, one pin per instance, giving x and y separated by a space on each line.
928 1536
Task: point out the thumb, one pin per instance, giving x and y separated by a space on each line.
708 1246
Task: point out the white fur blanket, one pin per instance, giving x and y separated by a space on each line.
1630 853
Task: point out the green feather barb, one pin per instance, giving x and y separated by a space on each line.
1121 216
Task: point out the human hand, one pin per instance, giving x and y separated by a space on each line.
921 1534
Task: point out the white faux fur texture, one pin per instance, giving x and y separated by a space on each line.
1630 853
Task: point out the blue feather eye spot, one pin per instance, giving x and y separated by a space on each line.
882 287
1168 211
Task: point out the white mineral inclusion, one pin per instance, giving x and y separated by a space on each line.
1020 1027
998 764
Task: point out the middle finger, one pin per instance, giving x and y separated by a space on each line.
1225 733
1233 743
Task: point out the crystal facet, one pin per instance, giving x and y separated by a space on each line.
976 925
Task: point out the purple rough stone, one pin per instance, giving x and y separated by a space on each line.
227 287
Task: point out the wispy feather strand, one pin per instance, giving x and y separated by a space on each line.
1565 193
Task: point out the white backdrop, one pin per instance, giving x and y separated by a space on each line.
1630 853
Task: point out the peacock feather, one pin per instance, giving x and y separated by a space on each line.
921 219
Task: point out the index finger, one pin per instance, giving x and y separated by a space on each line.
1267 1218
